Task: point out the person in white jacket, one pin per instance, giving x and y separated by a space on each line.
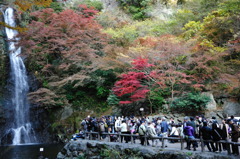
124 130
174 133
117 124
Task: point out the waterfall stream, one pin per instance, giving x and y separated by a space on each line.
20 128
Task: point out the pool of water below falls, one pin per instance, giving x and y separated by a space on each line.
30 151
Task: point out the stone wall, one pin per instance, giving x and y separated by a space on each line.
97 150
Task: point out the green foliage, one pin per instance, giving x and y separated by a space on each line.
191 102
138 9
96 4
231 7
93 3
157 99
219 26
56 6
107 153
125 35
113 99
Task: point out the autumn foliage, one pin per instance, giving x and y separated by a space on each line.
66 38
25 5
131 86
153 65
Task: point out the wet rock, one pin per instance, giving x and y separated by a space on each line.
97 150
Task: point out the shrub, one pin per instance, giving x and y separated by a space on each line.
138 9
89 3
191 103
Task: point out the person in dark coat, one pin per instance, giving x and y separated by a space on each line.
234 135
206 134
217 135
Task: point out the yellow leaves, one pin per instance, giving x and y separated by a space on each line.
191 29
209 45
19 29
25 5
235 61
184 11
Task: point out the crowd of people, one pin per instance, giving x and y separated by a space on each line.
190 128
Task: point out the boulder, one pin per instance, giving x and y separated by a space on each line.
212 105
231 107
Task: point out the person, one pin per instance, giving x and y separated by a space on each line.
117 124
152 133
217 134
234 135
164 128
84 126
174 132
189 134
142 132
225 133
102 127
123 130
233 119
193 124
110 123
185 120
158 127
170 122
206 134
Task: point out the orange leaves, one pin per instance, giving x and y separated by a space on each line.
25 5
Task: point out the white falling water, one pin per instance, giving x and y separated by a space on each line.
21 128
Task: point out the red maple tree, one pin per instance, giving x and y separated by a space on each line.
132 85
68 39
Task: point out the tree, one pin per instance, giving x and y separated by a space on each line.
131 85
25 5
68 36
61 48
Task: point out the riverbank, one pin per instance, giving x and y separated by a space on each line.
100 149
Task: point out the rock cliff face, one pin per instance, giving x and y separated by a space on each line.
98 150
4 62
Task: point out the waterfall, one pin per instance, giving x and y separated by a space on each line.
20 127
